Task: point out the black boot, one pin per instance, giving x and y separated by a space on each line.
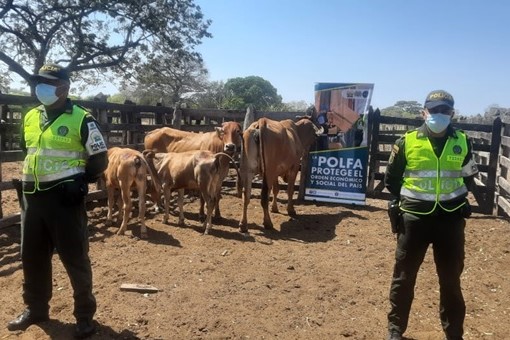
394 335
26 319
84 328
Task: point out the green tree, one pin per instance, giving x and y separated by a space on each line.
169 78
118 98
212 96
240 92
5 80
298 106
403 108
94 36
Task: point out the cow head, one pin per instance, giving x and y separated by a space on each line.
308 132
231 135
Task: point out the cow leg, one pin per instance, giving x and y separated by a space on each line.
111 202
290 193
217 212
210 204
141 186
126 199
264 202
276 189
120 204
247 180
201 213
180 201
167 193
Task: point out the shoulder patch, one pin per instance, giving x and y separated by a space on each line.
394 152
395 148
95 142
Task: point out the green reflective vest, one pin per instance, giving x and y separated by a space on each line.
54 152
433 179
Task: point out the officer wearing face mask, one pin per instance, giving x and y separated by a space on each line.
65 151
430 171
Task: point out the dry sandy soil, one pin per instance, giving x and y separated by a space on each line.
322 275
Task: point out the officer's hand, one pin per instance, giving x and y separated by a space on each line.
74 191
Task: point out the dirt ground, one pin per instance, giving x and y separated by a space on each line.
322 275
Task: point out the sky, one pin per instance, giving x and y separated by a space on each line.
406 48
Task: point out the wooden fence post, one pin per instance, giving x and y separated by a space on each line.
177 118
502 207
373 135
491 203
159 116
249 116
3 118
127 117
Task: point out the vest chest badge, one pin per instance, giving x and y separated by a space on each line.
63 130
457 149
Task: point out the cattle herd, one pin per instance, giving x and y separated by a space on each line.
175 160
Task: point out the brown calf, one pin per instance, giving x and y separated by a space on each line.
202 170
226 138
127 170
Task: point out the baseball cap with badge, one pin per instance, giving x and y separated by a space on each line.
51 71
439 98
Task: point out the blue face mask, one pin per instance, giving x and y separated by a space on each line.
438 122
46 93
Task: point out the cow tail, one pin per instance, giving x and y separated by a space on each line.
265 186
149 163
138 163
239 182
222 154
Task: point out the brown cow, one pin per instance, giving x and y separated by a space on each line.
127 170
273 149
197 170
226 138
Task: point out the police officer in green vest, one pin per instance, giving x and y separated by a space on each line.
430 170
65 151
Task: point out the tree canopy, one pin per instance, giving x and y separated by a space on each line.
240 92
167 79
96 35
403 108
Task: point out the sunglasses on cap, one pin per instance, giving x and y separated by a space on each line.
441 109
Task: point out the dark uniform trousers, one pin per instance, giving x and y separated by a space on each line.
445 231
51 223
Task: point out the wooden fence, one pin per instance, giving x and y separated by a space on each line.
122 124
491 144
126 124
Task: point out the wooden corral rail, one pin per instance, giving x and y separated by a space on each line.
486 139
122 125
126 124
503 192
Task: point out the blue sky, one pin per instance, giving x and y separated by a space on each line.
406 48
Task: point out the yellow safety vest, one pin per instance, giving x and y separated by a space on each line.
54 152
432 179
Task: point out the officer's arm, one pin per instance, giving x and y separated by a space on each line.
469 168
395 169
95 145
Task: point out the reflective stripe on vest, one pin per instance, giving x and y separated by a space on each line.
432 179
55 152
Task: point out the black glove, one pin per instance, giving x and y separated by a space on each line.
74 191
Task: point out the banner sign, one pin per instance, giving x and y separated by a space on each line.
337 169
337 175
